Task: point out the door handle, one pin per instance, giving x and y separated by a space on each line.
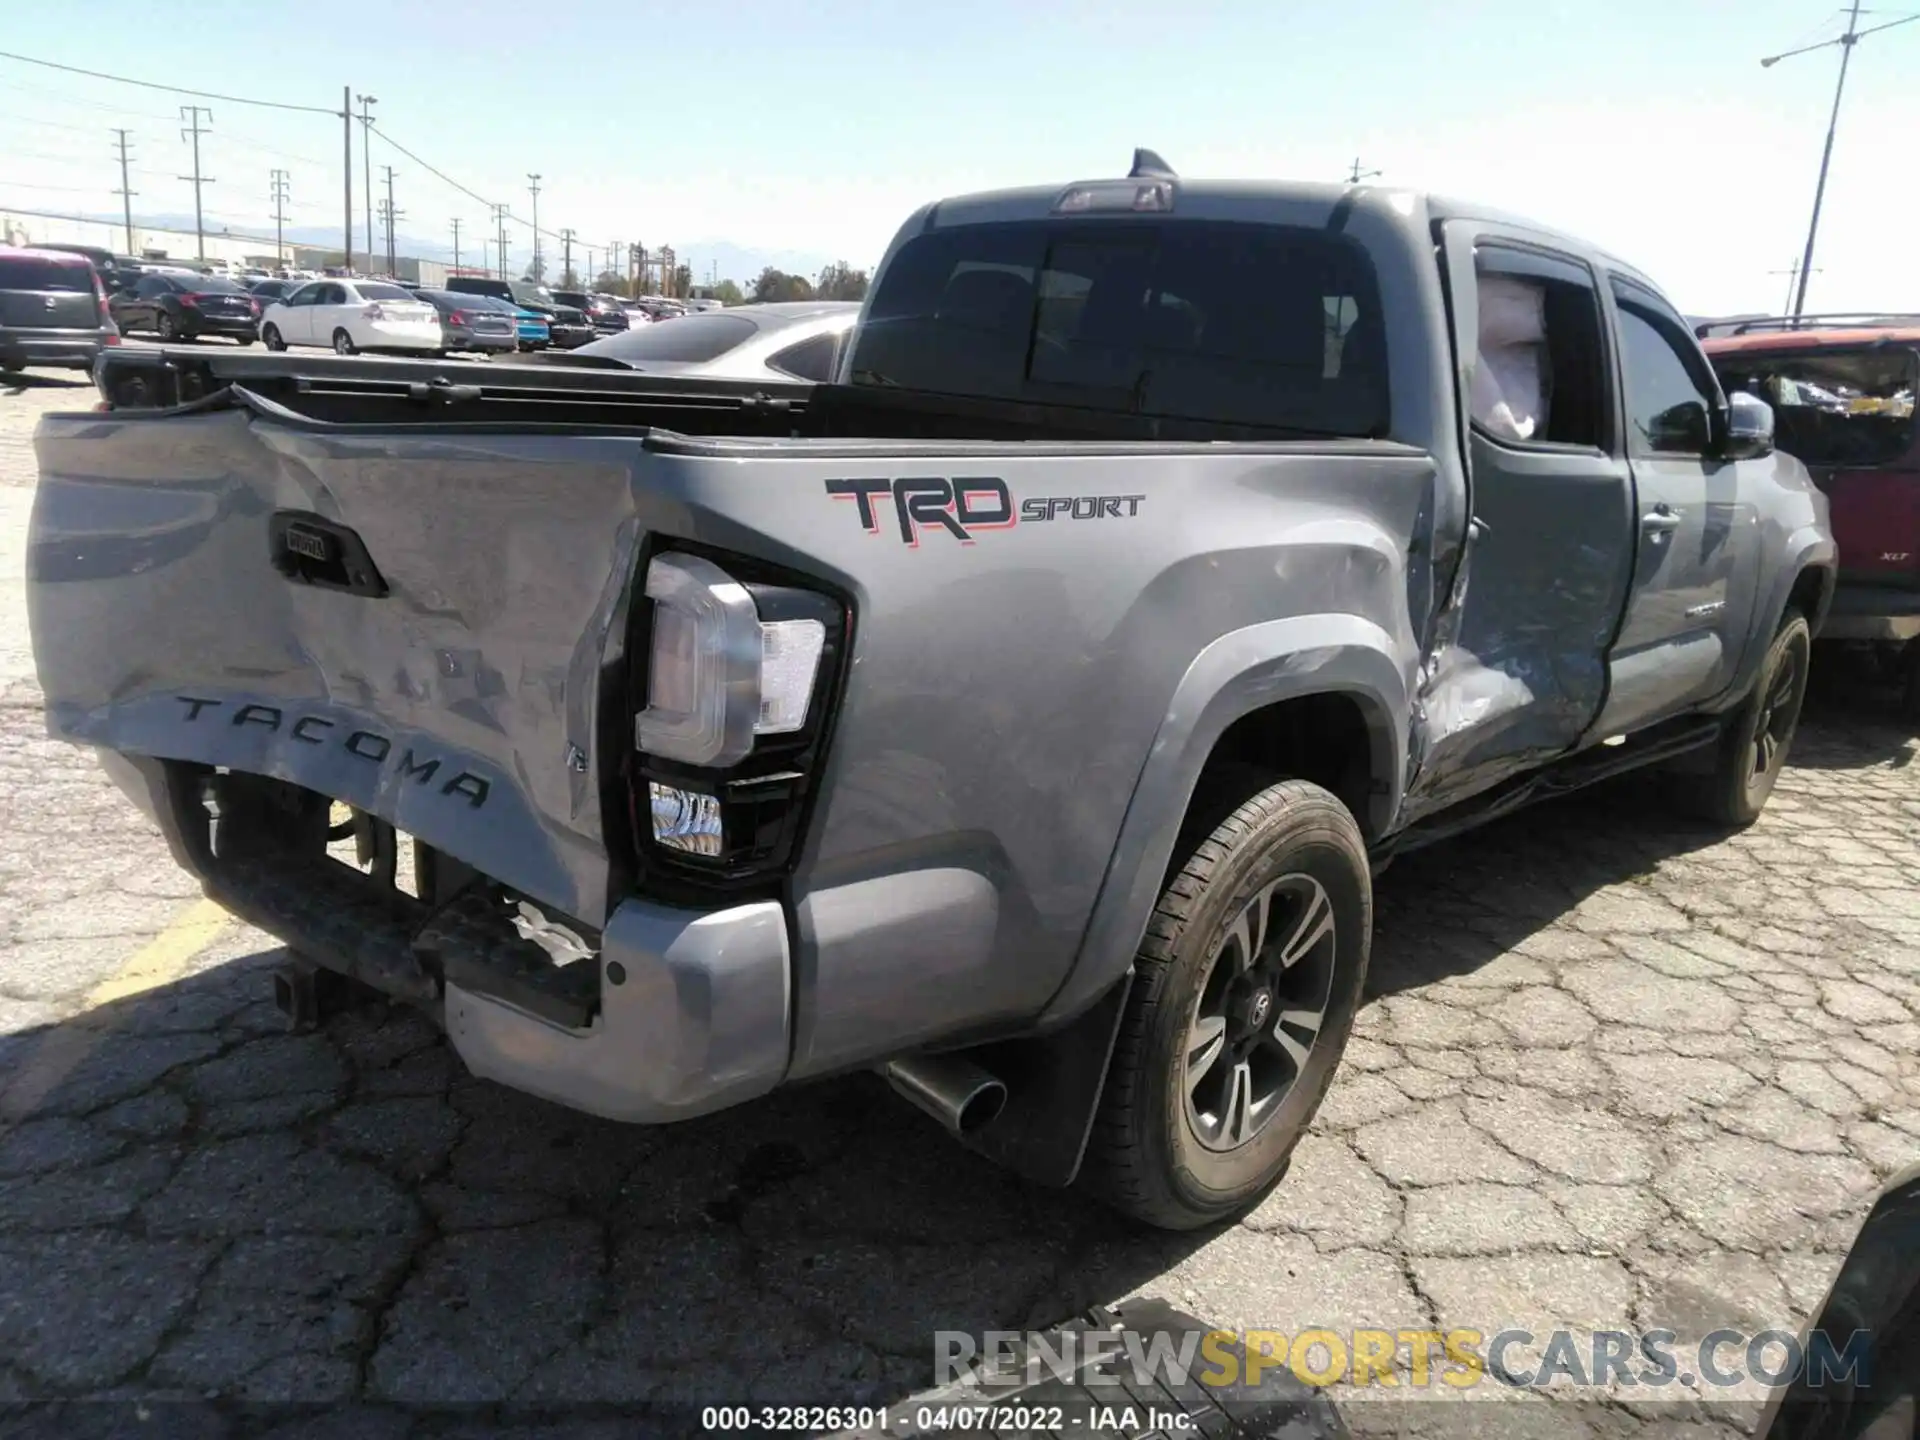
1660 520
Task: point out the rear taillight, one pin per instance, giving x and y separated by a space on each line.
741 669
458 317
192 302
256 306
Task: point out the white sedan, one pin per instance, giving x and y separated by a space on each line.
351 316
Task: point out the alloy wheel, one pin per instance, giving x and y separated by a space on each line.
1778 715
1259 1013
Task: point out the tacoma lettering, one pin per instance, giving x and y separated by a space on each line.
361 744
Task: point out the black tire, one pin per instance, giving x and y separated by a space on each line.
1753 743
270 337
343 344
243 340
1155 1153
165 327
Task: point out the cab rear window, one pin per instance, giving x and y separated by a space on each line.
1236 324
19 272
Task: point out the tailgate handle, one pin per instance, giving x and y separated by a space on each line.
312 550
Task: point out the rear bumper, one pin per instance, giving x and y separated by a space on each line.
466 340
239 327
397 337
693 1010
1873 612
68 349
572 338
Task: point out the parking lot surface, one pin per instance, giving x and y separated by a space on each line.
1615 1072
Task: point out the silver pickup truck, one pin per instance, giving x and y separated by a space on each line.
1025 715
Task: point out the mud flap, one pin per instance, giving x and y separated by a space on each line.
1053 1092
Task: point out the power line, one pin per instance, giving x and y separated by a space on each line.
170 89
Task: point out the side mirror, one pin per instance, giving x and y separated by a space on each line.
1683 429
1749 428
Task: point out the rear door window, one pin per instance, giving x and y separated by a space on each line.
25 272
1849 409
1245 325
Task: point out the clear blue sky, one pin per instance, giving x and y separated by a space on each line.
1648 127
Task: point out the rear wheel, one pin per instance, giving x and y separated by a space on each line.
1244 991
167 327
1753 745
343 344
270 337
1910 689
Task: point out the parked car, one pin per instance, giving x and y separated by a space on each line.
268 291
794 340
568 328
469 323
53 310
187 307
1842 389
603 311
351 316
637 314
847 726
533 331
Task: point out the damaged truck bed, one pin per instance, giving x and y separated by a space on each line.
1023 715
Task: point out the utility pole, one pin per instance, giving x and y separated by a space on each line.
280 216
500 238
456 242
1356 175
191 114
390 215
125 193
1792 272
346 171
566 255
1846 43
533 184
367 102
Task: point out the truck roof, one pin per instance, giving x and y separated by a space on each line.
1812 333
1294 202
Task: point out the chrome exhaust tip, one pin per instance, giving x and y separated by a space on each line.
956 1092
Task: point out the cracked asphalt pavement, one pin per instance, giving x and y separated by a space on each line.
1613 1072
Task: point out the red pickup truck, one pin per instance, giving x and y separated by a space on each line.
1842 389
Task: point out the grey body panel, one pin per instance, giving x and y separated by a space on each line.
1025 713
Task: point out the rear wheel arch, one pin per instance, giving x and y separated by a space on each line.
1235 709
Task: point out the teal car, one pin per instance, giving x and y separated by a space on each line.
533 332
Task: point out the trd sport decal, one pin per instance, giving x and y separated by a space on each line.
969 503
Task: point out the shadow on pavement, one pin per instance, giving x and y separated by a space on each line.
17 382
197 1204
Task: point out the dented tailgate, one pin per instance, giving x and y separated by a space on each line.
456 698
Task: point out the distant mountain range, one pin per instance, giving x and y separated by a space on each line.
721 258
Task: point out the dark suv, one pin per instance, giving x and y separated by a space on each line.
1842 388
602 310
53 310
